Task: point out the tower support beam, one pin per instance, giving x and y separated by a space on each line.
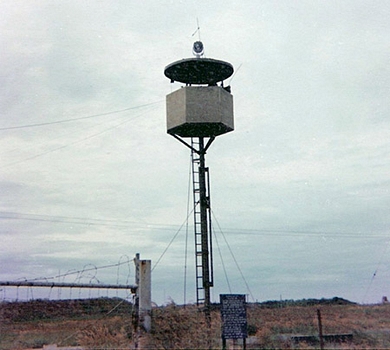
204 210
202 222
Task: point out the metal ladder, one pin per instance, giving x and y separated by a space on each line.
202 282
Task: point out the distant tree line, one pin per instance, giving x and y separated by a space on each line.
304 302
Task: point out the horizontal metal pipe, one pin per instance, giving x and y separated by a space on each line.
133 288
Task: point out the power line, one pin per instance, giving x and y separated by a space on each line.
80 130
171 241
289 232
222 262
78 118
67 220
375 272
70 143
72 132
166 227
234 258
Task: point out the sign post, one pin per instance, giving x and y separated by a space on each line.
234 320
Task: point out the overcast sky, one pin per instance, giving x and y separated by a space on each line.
300 189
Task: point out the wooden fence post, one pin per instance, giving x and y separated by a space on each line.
320 329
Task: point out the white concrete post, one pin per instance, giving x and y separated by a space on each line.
145 294
143 304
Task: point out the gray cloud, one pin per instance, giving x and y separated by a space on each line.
305 171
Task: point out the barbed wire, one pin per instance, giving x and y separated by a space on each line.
80 272
88 272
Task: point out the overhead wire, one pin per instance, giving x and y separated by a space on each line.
71 143
78 118
289 232
72 132
166 227
234 258
222 261
67 220
375 272
171 241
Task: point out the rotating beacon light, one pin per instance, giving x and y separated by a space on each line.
198 49
200 110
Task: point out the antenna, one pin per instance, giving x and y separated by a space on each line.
234 74
197 29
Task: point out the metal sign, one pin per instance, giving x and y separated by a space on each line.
233 313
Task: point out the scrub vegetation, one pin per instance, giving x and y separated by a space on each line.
108 324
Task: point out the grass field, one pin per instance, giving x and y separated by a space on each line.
93 324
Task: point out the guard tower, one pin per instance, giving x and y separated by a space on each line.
196 113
